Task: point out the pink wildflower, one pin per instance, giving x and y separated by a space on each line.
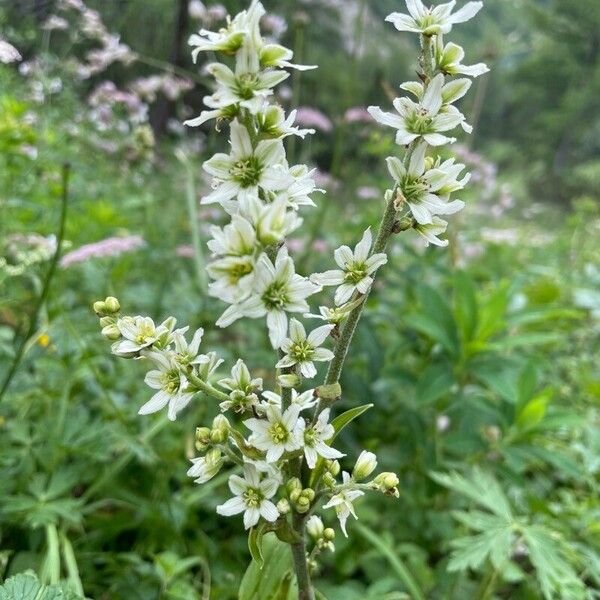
113 246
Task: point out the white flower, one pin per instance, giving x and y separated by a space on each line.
355 270
277 291
430 232
342 502
171 384
230 39
304 400
303 185
315 440
242 388
186 353
246 170
434 20
8 53
273 222
252 497
334 315
315 527
138 333
275 55
273 122
303 350
233 272
423 120
278 433
366 463
204 468
421 188
207 364
449 61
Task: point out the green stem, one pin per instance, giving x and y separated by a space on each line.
488 585
16 363
205 387
386 230
305 588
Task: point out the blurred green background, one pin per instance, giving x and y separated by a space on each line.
481 359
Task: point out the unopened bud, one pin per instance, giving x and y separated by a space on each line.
295 495
289 380
333 466
220 430
302 504
314 527
99 307
213 456
293 484
328 479
202 438
309 493
329 534
283 506
365 465
387 481
111 305
111 332
106 321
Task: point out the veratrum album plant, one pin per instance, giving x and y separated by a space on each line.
281 443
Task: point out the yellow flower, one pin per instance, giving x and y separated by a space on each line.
44 340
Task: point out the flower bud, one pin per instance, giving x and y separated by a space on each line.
111 332
365 465
309 493
289 380
99 307
314 527
283 506
220 430
387 483
202 438
328 479
303 505
329 534
295 495
333 466
213 456
293 484
106 321
111 305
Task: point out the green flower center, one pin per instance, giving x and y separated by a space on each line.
275 296
356 273
144 332
171 381
302 351
420 122
278 433
246 85
413 188
310 437
236 272
253 497
247 171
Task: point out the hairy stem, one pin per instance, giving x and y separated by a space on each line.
386 230
20 353
305 589
205 387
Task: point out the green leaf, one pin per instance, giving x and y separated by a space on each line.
347 417
25 586
395 561
533 412
274 581
436 382
481 487
465 305
254 545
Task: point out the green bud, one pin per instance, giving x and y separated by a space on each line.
106 321
202 438
314 527
328 479
111 332
213 456
387 482
218 436
283 506
333 466
309 493
289 380
111 305
295 495
220 422
303 505
293 484
329 534
99 307
365 465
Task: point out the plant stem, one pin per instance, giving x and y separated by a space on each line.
305 589
46 285
386 230
208 389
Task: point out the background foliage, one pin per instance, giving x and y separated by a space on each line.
482 360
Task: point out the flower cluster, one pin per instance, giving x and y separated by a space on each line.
280 443
424 184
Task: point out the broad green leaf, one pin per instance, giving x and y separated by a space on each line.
347 417
434 383
533 412
491 314
255 545
25 586
272 582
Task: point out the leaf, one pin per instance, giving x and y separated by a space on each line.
482 488
25 586
254 545
273 580
556 577
347 417
436 382
465 305
395 561
438 311
533 413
